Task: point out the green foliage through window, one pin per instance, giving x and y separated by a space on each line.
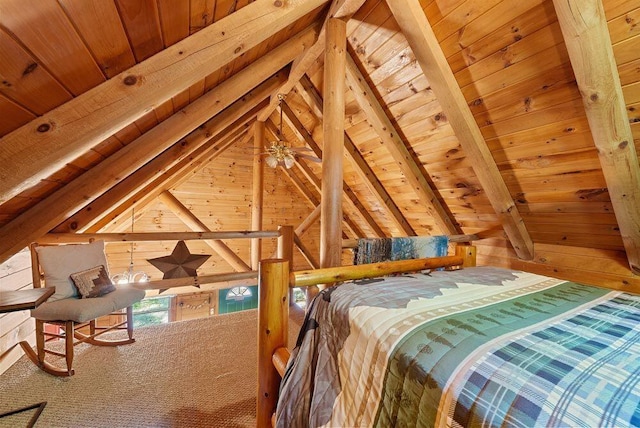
151 311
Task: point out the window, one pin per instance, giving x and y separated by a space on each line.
238 299
239 294
151 311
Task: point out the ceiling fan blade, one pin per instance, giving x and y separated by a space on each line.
300 149
311 158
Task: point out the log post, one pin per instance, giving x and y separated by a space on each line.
468 253
273 320
285 249
333 127
256 189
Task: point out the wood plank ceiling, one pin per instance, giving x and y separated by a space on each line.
461 116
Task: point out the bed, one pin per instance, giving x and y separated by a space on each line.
478 346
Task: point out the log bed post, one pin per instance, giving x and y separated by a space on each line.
285 249
468 254
273 320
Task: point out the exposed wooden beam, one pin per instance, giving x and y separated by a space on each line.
308 221
315 182
163 171
257 191
584 27
333 130
340 9
424 44
40 147
306 253
174 177
51 211
69 238
311 95
350 197
195 224
300 230
103 208
377 117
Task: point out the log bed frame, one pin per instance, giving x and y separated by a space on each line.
275 284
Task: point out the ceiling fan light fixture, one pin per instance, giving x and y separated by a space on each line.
272 161
289 160
279 152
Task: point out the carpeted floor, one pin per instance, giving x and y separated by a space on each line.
198 373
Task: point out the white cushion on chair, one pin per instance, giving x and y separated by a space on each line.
81 310
60 261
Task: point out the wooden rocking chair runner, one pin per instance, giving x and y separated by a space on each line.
53 266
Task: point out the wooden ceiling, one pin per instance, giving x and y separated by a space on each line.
515 121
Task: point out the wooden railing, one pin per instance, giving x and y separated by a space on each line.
285 250
275 281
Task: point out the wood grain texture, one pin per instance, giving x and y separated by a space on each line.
23 77
586 35
91 117
424 43
333 130
99 24
53 39
145 148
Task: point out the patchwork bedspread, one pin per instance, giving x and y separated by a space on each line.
476 347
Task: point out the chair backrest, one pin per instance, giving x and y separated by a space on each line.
52 265
36 270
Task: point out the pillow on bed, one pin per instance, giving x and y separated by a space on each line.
59 261
93 282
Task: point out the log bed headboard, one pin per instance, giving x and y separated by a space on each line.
275 282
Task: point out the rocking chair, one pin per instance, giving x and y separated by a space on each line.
83 293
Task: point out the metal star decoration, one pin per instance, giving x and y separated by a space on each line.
180 264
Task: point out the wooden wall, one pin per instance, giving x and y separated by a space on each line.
15 274
219 195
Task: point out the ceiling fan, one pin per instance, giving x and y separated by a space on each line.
280 152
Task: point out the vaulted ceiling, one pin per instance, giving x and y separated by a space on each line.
514 121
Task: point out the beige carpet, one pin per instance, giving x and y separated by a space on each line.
199 373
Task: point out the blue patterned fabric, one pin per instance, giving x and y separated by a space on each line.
475 347
374 250
587 365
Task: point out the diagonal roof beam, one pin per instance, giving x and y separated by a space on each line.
341 9
584 27
51 211
195 224
161 173
351 198
311 95
424 44
172 178
315 182
42 146
379 120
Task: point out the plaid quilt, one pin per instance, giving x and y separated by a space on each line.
477 347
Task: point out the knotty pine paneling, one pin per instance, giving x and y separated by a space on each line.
174 20
493 30
23 77
219 194
15 274
50 40
579 264
522 91
616 8
101 28
14 115
142 24
526 47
